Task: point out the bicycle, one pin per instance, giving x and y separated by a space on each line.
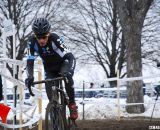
55 117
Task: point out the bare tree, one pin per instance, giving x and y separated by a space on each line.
19 11
150 35
132 14
22 13
97 34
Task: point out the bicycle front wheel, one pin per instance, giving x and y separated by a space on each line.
53 118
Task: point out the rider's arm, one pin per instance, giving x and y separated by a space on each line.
67 54
30 60
72 61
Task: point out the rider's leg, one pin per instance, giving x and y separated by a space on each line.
68 86
70 92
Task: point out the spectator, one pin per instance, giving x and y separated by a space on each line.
91 85
144 88
157 89
102 86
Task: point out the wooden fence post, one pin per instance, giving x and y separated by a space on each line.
118 96
40 99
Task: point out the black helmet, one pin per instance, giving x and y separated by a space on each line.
41 26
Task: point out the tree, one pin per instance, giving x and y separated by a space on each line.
150 35
132 14
96 33
23 13
18 11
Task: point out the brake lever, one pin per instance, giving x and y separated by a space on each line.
66 79
30 91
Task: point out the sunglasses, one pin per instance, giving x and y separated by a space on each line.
41 37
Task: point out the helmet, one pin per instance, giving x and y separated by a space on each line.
41 26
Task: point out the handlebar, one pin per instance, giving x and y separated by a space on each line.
47 80
43 81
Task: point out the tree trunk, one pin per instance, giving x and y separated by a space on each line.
132 37
132 14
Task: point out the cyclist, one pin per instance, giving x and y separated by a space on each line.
56 60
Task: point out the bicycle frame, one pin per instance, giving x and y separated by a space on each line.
58 93
54 88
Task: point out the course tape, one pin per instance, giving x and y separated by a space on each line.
15 62
38 94
29 123
124 79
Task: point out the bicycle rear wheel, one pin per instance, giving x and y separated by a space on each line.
53 118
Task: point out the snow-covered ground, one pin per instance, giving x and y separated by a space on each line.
107 108
95 108
98 108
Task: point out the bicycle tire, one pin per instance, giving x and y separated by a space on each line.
63 103
53 118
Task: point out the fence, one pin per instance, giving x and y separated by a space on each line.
113 98
21 109
116 103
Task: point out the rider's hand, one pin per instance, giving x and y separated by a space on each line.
67 74
28 82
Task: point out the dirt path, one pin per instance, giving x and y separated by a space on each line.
117 125
124 124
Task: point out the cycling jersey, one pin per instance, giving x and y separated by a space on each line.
53 54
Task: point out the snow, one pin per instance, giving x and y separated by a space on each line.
102 108
95 108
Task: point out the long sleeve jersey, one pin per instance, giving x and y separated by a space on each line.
52 54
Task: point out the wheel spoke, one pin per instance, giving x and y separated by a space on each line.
54 119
